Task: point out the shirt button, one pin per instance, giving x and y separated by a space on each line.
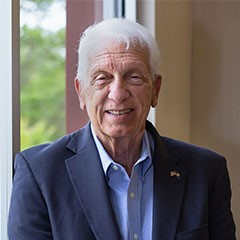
132 195
115 167
135 236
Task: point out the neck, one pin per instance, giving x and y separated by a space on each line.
124 151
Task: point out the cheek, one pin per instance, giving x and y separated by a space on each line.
144 103
89 100
94 101
145 96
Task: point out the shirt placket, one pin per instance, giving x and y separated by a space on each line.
134 204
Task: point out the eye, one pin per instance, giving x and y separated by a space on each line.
135 78
101 77
100 80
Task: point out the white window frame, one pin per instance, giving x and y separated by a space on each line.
146 15
114 8
6 111
131 9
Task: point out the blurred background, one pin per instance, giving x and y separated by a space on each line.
42 71
199 103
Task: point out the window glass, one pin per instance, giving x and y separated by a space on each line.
42 70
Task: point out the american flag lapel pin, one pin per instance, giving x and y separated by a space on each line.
175 173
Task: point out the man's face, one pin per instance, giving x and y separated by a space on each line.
119 91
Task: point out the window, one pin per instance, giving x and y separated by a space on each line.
119 8
42 71
33 63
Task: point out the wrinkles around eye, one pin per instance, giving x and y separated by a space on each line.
136 79
100 82
102 79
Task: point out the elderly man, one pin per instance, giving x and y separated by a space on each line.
117 178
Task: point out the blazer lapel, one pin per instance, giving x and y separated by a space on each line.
90 185
91 188
169 186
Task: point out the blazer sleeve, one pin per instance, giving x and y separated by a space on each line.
221 222
28 214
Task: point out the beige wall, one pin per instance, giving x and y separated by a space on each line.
173 32
200 102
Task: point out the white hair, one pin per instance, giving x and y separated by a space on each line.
98 36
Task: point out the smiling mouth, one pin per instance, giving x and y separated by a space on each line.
118 112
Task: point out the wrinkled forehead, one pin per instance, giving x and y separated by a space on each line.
120 48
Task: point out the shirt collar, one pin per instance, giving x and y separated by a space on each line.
106 160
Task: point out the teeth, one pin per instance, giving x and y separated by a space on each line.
115 112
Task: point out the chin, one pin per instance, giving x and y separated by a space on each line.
119 132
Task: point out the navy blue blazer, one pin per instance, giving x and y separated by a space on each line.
60 192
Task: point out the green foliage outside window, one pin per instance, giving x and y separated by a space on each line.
42 65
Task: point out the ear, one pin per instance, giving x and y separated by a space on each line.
156 89
80 94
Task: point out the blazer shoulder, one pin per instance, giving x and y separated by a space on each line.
56 148
191 150
54 153
198 161
188 153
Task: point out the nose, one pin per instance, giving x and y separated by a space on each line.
118 90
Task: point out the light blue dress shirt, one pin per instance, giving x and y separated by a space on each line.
132 197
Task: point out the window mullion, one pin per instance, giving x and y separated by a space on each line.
6 119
